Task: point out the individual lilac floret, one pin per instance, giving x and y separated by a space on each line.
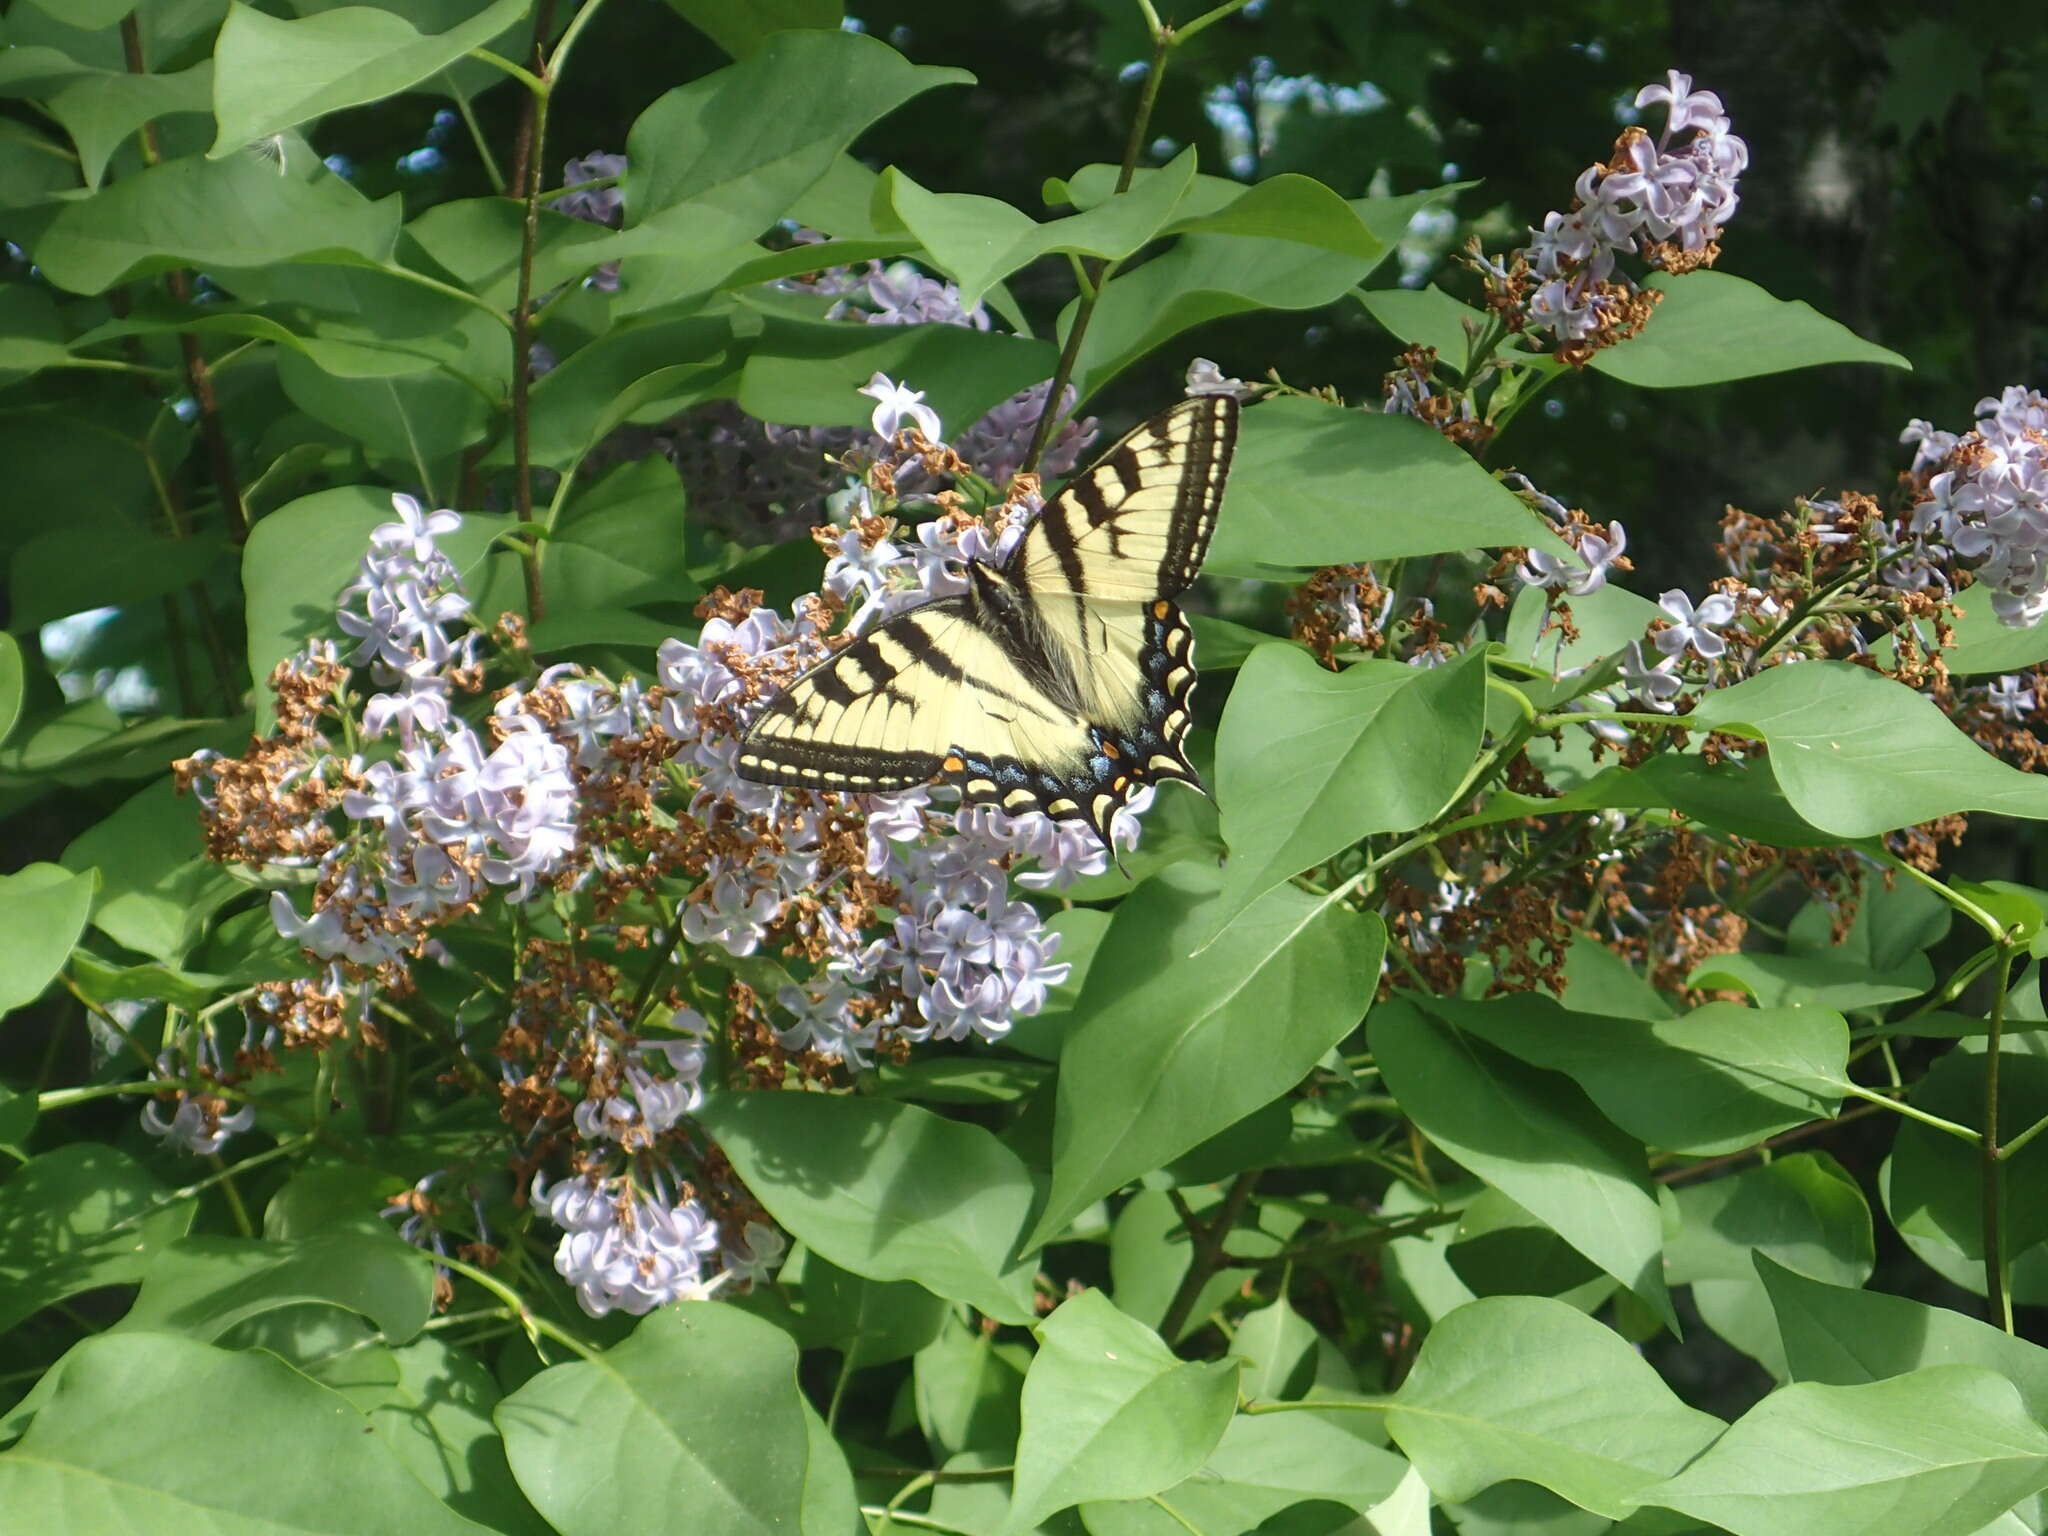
1582 573
596 205
1694 626
1205 378
1655 685
898 403
2010 699
199 1122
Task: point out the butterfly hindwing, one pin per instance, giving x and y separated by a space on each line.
1059 684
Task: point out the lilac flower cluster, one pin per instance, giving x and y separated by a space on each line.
198 1121
1665 198
961 957
1985 495
444 816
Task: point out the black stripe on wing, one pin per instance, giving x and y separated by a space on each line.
1211 439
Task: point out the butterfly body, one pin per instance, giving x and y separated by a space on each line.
1060 681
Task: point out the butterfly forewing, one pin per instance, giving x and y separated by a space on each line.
1135 525
887 711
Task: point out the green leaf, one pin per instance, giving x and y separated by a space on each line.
1530 1388
979 241
236 212
413 419
967 1388
1265 1464
1711 327
1843 1337
620 543
204 1286
1879 960
157 888
43 909
809 373
1934 1182
1280 1350
740 27
436 1416
1429 317
607 381
77 1218
1111 1413
1803 1211
1308 761
1167 1050
1858 754
1983 644
723 157
63 571
1940 1452
102 109
871 1322
1535 1136
1289 207
299 558
1314 485
1714 1080
13 684
273 75
886 1190
698 1411
118 1446
1499 1249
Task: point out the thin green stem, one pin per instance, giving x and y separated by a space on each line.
476 137
1954 898
1563 717
1413 1227
1098 269
915 1521
1207 19
569 35
1911 1112
1516 696
525 77
199 1186
64 1098
236 1208
839 1388
531 1321
1173 1514
2010 1149
1324 1405
1997 1299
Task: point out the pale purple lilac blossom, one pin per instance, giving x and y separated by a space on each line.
1990 503
1677 189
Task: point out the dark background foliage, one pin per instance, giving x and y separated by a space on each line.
1898 181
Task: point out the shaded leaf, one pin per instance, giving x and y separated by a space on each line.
1712 327
1535 1136
886 1190
698 1410
1110 1412
1942 1451
1168 1049
1313 484
1526 1387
